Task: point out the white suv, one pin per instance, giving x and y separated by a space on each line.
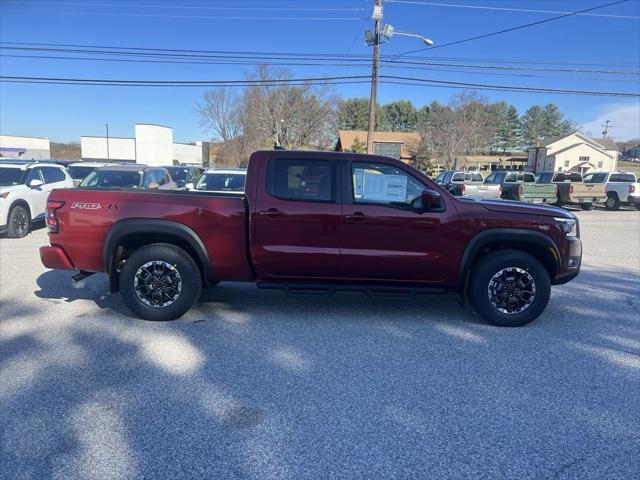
24 188
622 188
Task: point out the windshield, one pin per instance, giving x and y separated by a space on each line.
595 178
79 172
112 179
11 176
222 182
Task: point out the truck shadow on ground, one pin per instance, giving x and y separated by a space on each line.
253 384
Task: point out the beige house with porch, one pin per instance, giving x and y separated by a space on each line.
574 152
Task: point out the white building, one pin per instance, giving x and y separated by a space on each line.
28 148
574 152
152 145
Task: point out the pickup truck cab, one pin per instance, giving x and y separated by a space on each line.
572 190
24 188
521 186
314 223
466 184
622 188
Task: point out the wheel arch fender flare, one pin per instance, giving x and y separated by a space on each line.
124 228
503 235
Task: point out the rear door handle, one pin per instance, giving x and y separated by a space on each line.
272 213
357 217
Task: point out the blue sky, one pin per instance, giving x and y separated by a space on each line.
64 113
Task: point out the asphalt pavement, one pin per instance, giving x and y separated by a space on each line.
252 384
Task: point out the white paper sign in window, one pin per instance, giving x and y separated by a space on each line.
384 188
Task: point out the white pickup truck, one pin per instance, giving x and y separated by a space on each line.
24 188
622 188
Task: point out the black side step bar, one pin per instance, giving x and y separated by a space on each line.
321 290
81 275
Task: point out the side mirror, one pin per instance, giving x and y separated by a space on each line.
35 183
154 186
431 200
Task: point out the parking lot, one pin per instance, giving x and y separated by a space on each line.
254 384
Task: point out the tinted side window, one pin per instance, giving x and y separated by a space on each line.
309 180
53 175
622 177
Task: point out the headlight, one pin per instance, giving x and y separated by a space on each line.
568 225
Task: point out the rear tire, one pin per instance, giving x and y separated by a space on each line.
612 203
586 206
504 303
19 222
160 282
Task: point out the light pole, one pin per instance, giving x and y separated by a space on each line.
107 127
374 38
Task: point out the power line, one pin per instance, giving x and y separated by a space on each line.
201 7
304 81
115 49
506 30
507 9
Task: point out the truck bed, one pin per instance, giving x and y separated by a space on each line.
89 214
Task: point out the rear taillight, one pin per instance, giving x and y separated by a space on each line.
500 190
52 218
570 188
632 188
519 189
462 189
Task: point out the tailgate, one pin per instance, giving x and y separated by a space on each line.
588 191
541 192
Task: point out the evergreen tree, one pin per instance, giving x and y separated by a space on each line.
508 128
353 114
533 125
399 116
554 122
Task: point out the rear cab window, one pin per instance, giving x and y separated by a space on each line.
301 180
622 178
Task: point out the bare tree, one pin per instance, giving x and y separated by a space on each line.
288 116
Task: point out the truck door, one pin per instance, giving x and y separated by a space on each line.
385 234
294 225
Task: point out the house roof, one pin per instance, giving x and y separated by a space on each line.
408 140
607 143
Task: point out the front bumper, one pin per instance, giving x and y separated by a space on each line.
55 258
572 260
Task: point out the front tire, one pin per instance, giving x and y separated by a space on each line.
19 222
509 288
160 282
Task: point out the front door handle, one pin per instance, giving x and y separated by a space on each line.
272 213
357 217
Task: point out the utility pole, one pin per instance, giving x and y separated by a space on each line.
606 128
377 16
107 127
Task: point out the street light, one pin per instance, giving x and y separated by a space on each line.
373 38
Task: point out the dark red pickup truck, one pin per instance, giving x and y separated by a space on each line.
313 223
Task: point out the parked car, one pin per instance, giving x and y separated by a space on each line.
79 170
461 184
522 186
185 176
222 180
622 188
314 223
130 176
24 188
573 190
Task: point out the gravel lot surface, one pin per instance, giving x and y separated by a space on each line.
253 384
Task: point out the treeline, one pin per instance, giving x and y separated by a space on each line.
279 112
469 124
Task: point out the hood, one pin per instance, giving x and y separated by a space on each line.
513 206
9 188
